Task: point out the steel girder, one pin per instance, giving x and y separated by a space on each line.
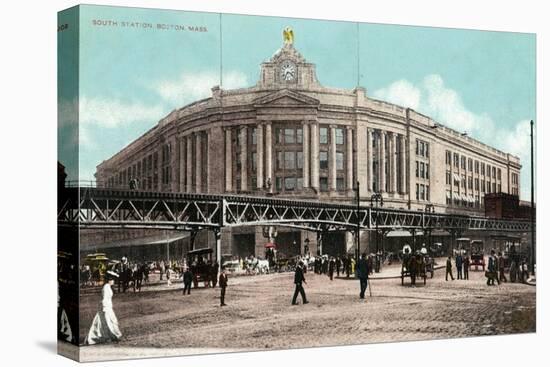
106 208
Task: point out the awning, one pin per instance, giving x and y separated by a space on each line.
471 199
400 233
456 177
463 197
270 245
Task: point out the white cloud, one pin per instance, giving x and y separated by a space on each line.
402 93
189 87
111 113
433 98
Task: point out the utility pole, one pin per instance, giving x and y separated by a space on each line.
532 204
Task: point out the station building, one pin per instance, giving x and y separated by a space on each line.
289 136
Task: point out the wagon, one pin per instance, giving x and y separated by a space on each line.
477 260
200 261
421 269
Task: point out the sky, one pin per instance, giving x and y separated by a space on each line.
132 73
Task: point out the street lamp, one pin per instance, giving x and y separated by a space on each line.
378 200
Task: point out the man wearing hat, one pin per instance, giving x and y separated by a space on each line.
298 279
223 285
363 274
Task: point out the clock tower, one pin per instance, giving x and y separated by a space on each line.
287 68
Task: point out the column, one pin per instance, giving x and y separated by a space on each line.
268 156
393 165
349 158
382 161
244 158
189 173
198 162
402 157
305 154
228 161
182 165
332 159
259 156
370 155
361 139
315 156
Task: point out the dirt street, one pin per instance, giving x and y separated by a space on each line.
259 314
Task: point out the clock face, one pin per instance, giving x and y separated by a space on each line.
288 71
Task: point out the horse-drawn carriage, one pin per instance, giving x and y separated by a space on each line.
414 266
200 263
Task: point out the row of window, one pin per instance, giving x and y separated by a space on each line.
471 165
422 148
472 183
463 200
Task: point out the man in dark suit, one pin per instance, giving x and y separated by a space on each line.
187 280
223 285
298 279
363 274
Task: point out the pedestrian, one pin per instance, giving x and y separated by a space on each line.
338 264
104 327
214 275
491 272
162 269
458 263
466 266
449 269
524 271
331 266
413 266
168 275
187 280
223 286
298 280
363 274
501 275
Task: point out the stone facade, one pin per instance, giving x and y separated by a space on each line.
292 137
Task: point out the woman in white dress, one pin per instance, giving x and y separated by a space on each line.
104 327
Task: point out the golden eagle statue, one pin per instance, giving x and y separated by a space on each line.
288 36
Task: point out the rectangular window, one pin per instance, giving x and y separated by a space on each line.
463 181
299 136
488 171
417 192
290 160
477 184
339 136
470 166
290 136
340 183
470 183
323 135
494 172
428 192
278 184
456 160
417 164
323 159
253 162
499 174
422 170
299 160
253 137
427 171
323 183
483 169
488 186
499 188
482 185
427 150
447 157
422 149
463 162
422 193
290 183
494 187
299 183
280 161
417 147
448 177
339 160
476 167
278 136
